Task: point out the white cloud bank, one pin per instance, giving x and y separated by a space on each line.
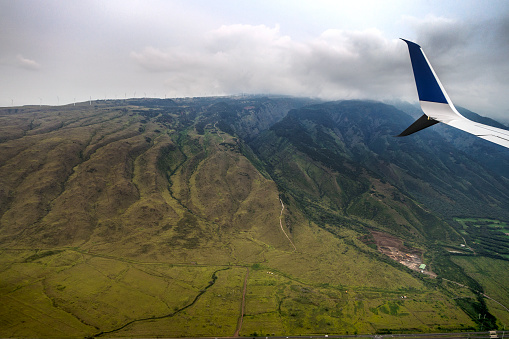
339 64
260 59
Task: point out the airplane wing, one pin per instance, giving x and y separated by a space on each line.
438 107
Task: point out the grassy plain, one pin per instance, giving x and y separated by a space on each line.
493 275
75 294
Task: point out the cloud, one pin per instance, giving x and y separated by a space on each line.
260 59
469 58
353 64
440 34
27 64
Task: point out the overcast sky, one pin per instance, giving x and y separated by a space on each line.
55 52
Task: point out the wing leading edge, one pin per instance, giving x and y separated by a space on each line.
438 107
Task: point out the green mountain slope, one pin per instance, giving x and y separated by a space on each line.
138 217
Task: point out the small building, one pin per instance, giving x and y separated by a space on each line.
422 266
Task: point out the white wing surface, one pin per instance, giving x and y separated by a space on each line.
438 107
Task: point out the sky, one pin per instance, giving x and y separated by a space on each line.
59 52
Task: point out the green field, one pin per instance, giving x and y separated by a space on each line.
493 275
488 237
69 293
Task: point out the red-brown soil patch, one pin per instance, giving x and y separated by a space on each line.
394 248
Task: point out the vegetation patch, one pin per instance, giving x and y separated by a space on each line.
487 237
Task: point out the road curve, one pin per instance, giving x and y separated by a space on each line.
281 224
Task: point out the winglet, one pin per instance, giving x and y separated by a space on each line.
437 106
428 85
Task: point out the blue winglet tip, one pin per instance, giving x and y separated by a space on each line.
427 84
410 43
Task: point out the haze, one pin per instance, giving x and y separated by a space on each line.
58 52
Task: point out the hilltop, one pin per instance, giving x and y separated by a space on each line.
137 217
